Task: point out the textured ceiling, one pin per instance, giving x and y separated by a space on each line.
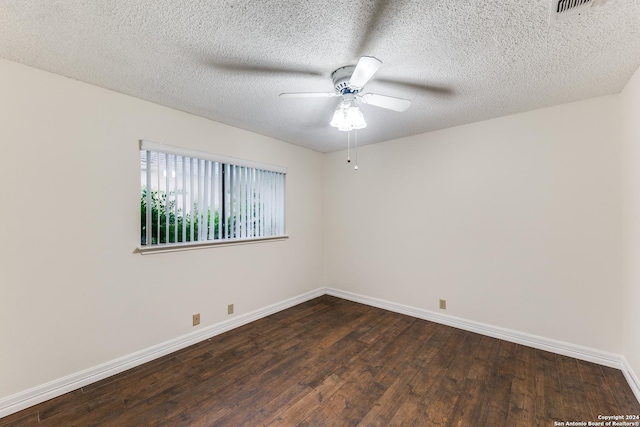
458 61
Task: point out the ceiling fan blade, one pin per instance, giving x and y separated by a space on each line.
421 87
366 68
309 95
260 68
384 101
370 29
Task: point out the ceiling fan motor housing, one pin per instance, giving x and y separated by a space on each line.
341 78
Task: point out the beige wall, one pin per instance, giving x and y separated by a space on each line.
73 294
516 222
631 185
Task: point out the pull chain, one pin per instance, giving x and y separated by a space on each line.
356 168
349 147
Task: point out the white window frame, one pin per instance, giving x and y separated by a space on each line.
231 166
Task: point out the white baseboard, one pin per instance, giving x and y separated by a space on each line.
44 392
541 343
631 377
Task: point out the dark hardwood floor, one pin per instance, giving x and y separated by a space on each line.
331 362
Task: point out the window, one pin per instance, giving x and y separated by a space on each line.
192 198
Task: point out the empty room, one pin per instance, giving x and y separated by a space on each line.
340 213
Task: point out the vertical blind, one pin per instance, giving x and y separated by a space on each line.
188 196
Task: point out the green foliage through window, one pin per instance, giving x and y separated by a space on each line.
180 225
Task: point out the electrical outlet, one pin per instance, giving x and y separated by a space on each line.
230 309
196 319
443 304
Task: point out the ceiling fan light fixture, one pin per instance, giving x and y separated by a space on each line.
348 117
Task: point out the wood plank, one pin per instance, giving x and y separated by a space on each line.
441 404
597 390
575 403
549 391
473 396
365 386
621 392
26 417
399 374
270 403
499 384
423 402
296 413
523 388
210 395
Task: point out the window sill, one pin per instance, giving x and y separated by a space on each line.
177 247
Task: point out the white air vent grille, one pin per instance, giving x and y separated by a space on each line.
564 8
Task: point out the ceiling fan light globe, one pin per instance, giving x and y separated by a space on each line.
356 118
338 118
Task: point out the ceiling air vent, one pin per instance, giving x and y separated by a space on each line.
561 9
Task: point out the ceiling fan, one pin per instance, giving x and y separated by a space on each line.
348 83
